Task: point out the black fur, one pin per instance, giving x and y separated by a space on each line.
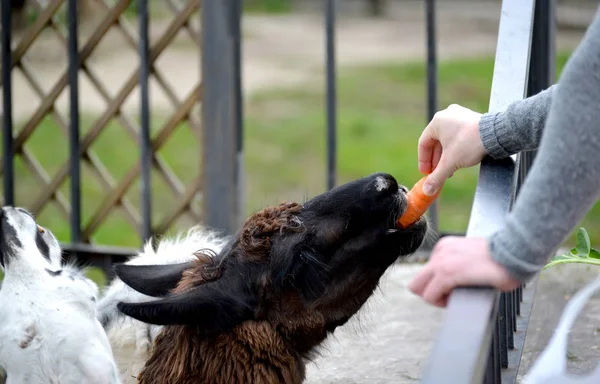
42 245
8 240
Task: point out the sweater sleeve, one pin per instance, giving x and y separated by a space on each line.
564 181
518 128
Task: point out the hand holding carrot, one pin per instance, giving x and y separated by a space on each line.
450 141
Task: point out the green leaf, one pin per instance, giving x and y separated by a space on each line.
583 253
583 242
594 253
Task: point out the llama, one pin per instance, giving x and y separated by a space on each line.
48 327
257 310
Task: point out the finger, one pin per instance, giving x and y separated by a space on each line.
420 281
426 145
443 303
438 176
438 290
437 154
425 155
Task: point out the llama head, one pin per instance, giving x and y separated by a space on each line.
25 245
303 268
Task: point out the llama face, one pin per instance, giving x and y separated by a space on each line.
320 261
24 243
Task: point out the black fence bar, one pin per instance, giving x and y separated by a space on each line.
471 316
431 86
7 120
542 68
74 145
509 374
492 373
145 143
236 30
331 92
503 328
519 299
511 322
219 111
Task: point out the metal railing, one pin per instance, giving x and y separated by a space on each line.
482 337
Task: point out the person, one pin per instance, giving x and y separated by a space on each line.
563 124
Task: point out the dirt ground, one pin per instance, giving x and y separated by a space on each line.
392 337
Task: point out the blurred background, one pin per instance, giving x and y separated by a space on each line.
381 78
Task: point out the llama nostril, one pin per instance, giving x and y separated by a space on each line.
386 182
403 189
381 183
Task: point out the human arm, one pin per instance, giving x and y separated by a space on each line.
564 181
563 184
458 137
518 128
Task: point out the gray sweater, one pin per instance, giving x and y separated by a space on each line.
563 123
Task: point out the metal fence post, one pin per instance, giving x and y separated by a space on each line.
432 87
145 142
331 104
235 20
542 67
74 143
7 120
220 111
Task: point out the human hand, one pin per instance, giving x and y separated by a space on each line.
450 141
459 261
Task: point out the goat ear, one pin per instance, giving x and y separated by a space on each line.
152 280
215 307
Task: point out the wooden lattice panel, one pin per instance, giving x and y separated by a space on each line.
109 118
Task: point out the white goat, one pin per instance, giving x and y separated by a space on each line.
48 329
131 340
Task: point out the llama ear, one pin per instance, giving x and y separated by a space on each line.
310 276
305 272
152 280
213 308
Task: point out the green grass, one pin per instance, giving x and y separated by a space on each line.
267 6
381 113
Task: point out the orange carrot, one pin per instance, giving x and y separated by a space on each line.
418 202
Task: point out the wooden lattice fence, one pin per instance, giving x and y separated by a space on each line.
131 104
